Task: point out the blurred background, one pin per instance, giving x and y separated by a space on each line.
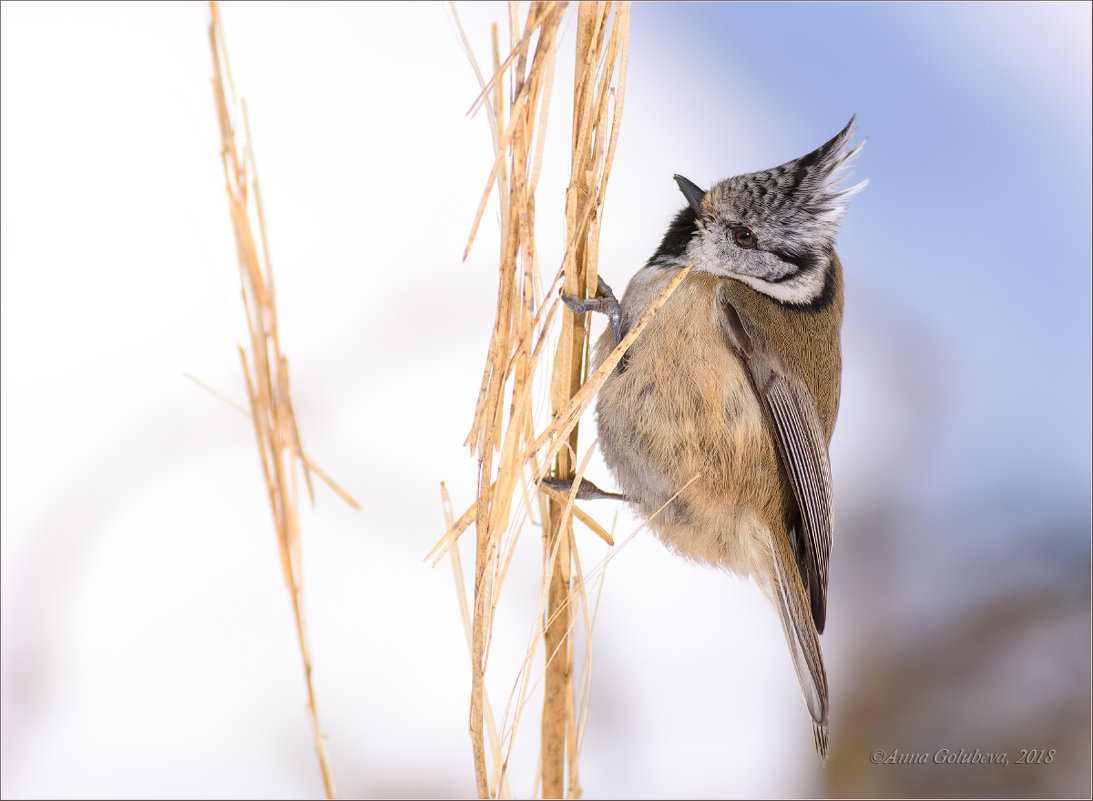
147 643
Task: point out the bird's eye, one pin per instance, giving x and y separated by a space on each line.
743 237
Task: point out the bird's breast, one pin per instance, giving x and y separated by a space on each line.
681 427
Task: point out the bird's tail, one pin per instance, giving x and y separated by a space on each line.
819 738
794 609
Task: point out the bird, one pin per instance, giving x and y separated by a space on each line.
717 421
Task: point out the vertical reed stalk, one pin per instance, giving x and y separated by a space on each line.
590 166
266 370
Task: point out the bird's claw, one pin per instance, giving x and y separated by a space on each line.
587 491
605 302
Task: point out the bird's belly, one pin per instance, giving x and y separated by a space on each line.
686 439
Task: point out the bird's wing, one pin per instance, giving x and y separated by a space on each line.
801 558
795 426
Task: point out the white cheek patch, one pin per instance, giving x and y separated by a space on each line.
798 291
766 274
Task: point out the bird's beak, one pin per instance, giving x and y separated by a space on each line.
693 194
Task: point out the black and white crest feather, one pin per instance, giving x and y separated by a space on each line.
800 197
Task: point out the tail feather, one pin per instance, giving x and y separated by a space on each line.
800 631
819 739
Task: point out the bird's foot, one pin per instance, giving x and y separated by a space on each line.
587 491
605 302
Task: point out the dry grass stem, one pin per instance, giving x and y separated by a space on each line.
514 450
266 369
465 614
345 496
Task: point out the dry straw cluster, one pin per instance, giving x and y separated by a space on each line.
266 370
512 456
